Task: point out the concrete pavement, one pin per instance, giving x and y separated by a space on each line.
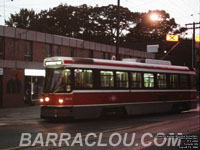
21 113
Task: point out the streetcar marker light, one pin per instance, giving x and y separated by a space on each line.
60 101
47 99
41 100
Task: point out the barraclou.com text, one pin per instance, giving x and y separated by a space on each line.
93 139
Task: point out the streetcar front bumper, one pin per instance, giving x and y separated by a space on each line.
48 112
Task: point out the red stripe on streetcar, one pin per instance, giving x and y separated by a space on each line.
68 62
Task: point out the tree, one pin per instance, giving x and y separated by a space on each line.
24 19
61 20
103 22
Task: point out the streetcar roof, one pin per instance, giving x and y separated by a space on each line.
112 64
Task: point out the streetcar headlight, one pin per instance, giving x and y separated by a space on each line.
46 99
41 100
60 101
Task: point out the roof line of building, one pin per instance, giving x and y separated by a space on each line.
30 35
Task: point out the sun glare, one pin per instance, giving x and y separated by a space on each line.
154 17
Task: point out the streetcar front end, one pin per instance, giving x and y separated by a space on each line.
57 98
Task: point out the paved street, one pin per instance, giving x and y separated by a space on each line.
15 121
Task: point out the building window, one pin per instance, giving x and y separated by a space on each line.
184 81
48 50
2 48
148 80
122 79
56 50
136 80
106 55
73 52
173 81
107 79
162 80
28 51
91 54
83 78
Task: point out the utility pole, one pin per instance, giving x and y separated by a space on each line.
193 41
118 25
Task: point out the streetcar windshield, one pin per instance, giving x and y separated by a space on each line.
57 81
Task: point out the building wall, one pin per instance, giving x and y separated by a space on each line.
97 54
19 49
9 49
13 95
65 51
82 52
38 51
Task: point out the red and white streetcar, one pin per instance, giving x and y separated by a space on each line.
86 88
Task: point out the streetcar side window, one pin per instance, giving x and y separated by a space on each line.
184 81
107 79
136 80
173 81
148 80
83 78
162 80
122 79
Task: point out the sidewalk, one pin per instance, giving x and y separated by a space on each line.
21 113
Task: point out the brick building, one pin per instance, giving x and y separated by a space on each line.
21 60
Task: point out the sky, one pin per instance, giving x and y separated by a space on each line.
184 11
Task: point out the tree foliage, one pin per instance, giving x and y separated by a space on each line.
102 23
96 24
24 19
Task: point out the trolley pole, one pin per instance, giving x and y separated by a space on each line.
118 25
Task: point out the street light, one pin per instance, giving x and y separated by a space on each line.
154 17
